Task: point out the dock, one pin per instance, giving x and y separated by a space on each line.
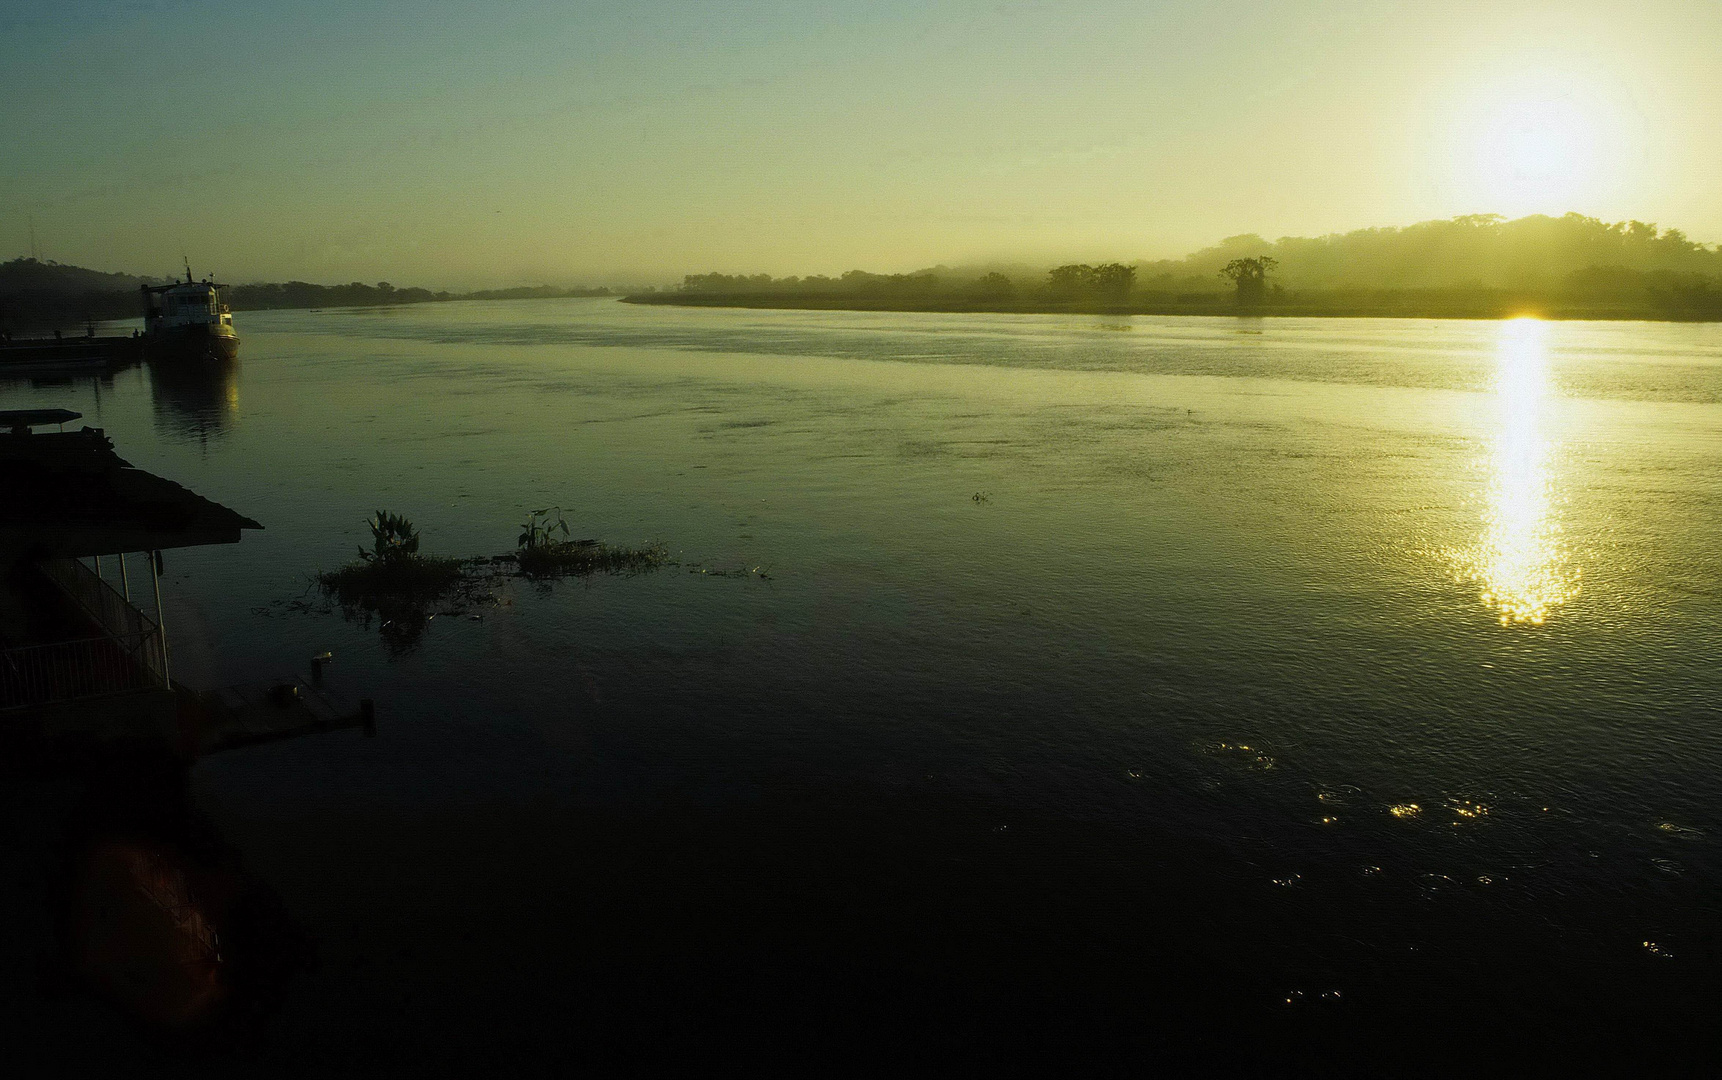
30 354
233 717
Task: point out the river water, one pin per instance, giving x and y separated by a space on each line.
1352 683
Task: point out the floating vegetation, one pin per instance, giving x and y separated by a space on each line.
405 590
541 555
740 571
1405 810
393 582
1658 950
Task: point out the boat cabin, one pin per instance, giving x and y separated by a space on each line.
185 304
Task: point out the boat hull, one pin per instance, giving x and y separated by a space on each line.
201 342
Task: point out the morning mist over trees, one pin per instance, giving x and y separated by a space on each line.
1479 264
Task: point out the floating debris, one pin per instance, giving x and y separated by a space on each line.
1405 810
1656 949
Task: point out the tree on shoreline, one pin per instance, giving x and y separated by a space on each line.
1111 280
1250 276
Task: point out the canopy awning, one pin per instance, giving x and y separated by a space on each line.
68 495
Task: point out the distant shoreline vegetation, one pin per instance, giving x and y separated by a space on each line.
1474 267
37 296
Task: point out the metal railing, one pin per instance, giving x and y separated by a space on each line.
68 670
112 612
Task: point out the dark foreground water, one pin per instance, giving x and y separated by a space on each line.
1313 696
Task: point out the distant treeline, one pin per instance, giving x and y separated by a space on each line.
1473 266
303 294
37 296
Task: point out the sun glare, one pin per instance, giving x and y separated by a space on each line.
1537 156
1520 563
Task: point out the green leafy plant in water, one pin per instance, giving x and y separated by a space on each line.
392 580
393 540
538 531
397 584
541 555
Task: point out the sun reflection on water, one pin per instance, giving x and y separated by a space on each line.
1520 563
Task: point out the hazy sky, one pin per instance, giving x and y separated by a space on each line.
453 144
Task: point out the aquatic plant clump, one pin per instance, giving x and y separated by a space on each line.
393 582
424 578
541 555
581 557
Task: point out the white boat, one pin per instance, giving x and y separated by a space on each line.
188 319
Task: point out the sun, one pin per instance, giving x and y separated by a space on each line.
1537 156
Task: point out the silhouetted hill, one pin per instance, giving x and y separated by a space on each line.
37 295
29 277
1476 250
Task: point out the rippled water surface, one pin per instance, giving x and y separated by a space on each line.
1385 629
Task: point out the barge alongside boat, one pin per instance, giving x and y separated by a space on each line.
57 353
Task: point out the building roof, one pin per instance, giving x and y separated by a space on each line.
19 421
68 495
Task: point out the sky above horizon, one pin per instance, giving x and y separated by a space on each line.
457 145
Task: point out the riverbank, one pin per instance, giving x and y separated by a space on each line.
1386 304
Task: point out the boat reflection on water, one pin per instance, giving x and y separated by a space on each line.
194 399
1520 563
